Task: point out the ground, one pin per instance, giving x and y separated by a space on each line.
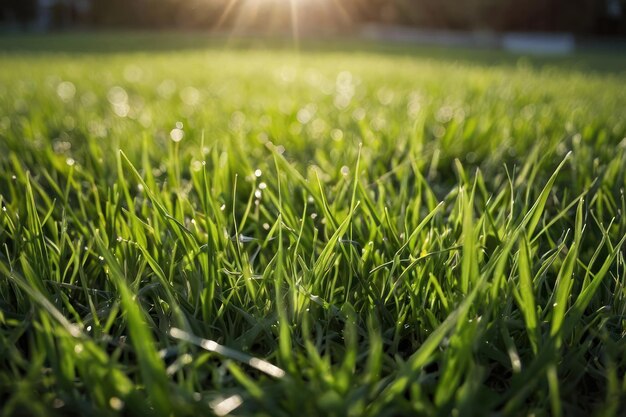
262 228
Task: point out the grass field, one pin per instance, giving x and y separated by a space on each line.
191 227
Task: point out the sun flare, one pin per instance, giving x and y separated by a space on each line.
282 17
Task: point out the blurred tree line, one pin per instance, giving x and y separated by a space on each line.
578 16
157 13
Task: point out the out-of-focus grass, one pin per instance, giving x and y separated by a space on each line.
606 57
347 230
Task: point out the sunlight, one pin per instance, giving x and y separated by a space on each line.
294 22
292 18
226 13
279 2
242 16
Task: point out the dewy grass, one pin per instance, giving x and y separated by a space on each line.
259 231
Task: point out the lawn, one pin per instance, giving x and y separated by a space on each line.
193 226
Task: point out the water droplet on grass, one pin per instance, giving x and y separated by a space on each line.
358 114
190 96
196 165
336 134
116 403
177 135
117 95
66 91
166 88
304 116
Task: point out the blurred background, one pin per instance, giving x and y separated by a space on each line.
595 18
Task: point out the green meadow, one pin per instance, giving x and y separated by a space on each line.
199 227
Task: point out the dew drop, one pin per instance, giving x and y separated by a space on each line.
177 134
66 91
116 403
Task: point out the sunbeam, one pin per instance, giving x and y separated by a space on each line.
227 10
294 23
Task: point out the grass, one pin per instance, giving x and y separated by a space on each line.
366 231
